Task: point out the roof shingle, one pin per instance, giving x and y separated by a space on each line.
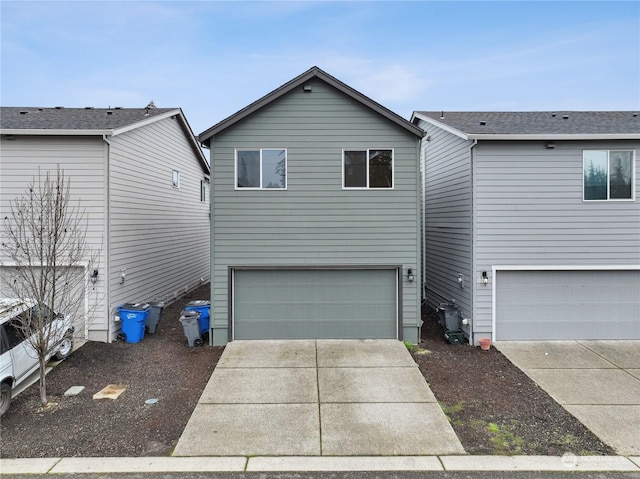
539 122
30 118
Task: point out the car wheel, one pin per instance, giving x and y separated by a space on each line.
5 398
65 348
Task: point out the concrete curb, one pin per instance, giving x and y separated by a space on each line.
567 462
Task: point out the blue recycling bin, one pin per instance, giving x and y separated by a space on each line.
134 317
204 308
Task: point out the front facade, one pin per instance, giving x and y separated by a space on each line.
143 184
532 222
314 230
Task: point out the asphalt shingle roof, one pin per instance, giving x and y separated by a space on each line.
539 122
27 118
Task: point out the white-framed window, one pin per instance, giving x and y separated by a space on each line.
370 168
608 175
261 169
203 190
176 178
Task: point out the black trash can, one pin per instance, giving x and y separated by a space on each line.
450 316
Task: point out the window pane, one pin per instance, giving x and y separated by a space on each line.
274 169
355 169
248 169
595 175
620 175
380 169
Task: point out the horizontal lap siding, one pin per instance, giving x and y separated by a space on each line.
314 221
158 233
82 159
448 233
529 211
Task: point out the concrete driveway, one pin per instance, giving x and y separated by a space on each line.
596 381
317 398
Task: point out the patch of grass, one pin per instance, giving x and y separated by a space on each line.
450 411
409 345
503 440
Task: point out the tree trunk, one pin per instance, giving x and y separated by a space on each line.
43 381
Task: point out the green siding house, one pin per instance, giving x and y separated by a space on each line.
315 217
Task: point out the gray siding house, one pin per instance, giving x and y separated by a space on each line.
532 222
315 216
142 181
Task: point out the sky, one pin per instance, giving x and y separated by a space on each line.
213 58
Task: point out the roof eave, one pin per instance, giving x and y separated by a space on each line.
554 136
54 132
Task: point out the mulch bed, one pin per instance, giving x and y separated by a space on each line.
162 366
493 407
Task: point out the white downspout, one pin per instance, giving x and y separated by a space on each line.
473 243
107 287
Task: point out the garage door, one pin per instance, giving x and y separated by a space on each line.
310 304
556 305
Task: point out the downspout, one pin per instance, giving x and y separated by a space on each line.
108 236
473 243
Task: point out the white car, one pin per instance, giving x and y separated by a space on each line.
18 359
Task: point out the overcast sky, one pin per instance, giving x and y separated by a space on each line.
212 58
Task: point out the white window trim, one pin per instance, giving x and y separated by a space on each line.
260 188
633 176
175 178
367 150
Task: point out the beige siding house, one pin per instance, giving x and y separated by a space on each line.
143 183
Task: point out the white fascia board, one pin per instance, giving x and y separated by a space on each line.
442 126
148 121
52 132
538 136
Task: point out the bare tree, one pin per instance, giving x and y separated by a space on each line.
45 239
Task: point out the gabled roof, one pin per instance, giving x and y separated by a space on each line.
315 72
544 125
89 122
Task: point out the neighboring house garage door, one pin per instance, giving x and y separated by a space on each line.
557 305
315 304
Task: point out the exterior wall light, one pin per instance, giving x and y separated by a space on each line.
410 276
485 279
94 276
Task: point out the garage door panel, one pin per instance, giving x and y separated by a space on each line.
302 304
565 305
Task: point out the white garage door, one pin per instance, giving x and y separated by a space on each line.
557 305
315 304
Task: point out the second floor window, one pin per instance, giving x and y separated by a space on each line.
264 168
608 175
371 168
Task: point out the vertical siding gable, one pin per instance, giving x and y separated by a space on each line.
314 221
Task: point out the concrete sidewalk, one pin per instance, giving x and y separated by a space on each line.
317 398
596 381
157 465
